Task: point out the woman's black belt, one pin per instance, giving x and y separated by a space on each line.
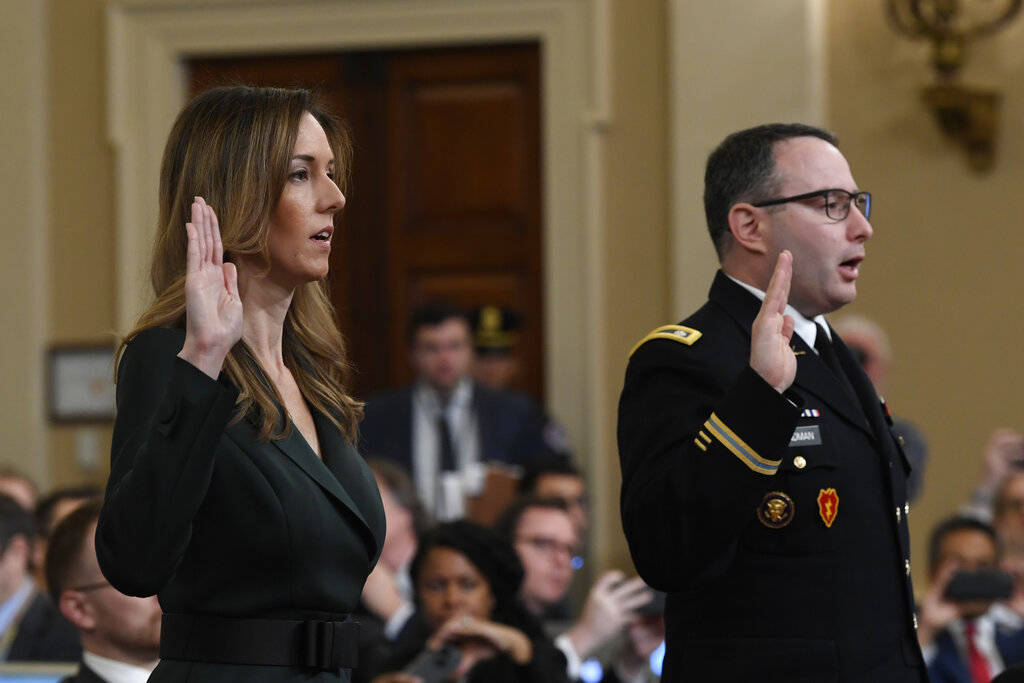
311 644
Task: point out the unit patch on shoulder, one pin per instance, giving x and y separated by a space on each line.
679 333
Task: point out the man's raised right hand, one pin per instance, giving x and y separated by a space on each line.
770 353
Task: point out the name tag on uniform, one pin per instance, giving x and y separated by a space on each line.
806 436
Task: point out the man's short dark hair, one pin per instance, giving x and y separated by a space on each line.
14 521
48 504
510 518
952 525
67 545
434 313
542 465
742 168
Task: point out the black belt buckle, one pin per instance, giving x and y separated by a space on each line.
330 645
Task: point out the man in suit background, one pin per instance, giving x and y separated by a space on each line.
120 634
966 641
870 344
446 427
31 628
762 487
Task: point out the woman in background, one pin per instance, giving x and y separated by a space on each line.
235 493
466 580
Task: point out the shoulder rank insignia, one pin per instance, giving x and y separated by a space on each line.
828 505
679 333
776 510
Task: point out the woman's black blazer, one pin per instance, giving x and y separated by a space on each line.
217 522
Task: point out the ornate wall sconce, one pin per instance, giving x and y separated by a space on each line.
970 116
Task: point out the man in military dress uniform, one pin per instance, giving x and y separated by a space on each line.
762 486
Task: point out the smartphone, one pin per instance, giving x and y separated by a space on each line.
434 666
980 584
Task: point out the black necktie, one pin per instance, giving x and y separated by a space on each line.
827 352
447 451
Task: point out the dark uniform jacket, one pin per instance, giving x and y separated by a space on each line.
777 524
219 523
510 427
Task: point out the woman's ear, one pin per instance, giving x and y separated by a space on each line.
747 224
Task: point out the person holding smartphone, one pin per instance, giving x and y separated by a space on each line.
966 635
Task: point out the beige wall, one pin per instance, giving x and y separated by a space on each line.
82 288
947 300
637 245
24 243
943 273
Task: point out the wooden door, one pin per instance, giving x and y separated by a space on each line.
445 200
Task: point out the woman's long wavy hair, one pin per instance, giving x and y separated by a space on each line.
232 146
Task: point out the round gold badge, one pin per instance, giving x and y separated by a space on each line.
776 510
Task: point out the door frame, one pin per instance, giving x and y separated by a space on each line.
148 41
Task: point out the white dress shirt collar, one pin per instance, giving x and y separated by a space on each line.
113 671
806 328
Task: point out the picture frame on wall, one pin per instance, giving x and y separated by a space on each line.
80 383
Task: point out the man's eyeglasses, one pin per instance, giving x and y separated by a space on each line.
837 202
549 546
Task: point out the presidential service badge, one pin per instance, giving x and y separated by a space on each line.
776 510
828 505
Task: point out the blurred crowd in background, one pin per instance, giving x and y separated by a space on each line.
483 573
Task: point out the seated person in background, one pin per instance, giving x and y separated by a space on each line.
544 538
555 476
1003 456
52 508
965 641
446 427
31 628
120 634
870 344
19 487
467 581
1008 517
388 593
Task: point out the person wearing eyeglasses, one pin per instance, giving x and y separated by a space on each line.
762 486
120 633
543 534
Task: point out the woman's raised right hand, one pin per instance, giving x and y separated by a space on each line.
213 309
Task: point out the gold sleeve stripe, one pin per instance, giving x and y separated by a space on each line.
704 436
678 333
700 445
747 455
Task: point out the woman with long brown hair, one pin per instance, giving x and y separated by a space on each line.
235 493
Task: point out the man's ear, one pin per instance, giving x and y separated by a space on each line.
747 224
77 610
